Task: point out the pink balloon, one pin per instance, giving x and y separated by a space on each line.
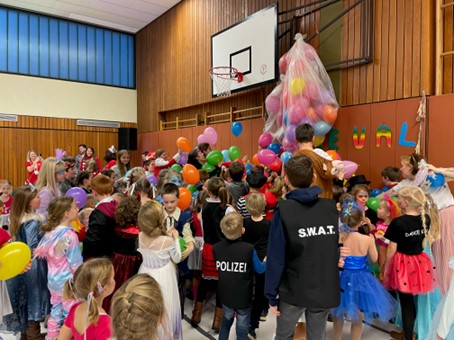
266 157
273 104
201 139
297 110
288 146
312 92
265 139
211 135
349 168
283 64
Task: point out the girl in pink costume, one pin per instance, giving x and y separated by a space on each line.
60 246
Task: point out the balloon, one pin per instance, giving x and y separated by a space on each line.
192 188
275 147
265 139
349 168
385 189
225 154
234 153
190 174
237 128
255 160
176 167
297 110
375 192
152 179
248 168
312 92
285 156
334 155
185 199
276 166
283 64
436 180
290 133
208 167
183 158
329 114
297 85
211 135
184 144
214 157
321 128
272 104
288 146
79 195
311 114
318 140
266 157
202 139
182 243
373 203
14 257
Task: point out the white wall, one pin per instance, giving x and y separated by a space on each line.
32 96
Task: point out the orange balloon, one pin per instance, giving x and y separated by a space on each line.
184 144
255 160
185 199
190 174
334 155
312 115
329 114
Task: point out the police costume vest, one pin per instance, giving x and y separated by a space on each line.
235 268
311 276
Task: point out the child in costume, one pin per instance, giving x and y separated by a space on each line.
87 320
60 246
5 304
408 269
362 295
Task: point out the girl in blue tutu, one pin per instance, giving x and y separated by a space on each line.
362 295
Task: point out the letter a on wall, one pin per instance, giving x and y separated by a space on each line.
383 131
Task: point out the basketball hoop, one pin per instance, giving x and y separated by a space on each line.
223 77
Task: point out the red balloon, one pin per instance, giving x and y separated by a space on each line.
185 199
276 166
190 174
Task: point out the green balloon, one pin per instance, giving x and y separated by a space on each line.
234 153
208 167
176 167
192 188
373 203
214 157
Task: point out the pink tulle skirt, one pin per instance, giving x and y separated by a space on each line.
412 274
443 249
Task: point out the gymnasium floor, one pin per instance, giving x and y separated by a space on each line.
265 332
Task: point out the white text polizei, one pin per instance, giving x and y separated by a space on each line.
316 231
236 267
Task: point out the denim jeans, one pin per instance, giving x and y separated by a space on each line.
242 323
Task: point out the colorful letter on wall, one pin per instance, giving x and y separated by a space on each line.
332 139
359 141
383 131
403 134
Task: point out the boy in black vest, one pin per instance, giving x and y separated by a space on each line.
235 261
302 275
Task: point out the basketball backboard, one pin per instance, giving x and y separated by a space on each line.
250 46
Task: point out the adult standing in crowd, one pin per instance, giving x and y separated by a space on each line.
197 157
33 164
82 149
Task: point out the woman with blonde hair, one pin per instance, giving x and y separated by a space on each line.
160 253
51 175
121 168
138 309
33 163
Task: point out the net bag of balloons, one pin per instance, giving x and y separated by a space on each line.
304 95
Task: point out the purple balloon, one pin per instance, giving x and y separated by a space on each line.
79 195
265 139
152 179
266 157
290 133
183 158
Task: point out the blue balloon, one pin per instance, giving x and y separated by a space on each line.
385 189
225 154
248 168
275 147
436 180
321 128
375 192
237 128
285 156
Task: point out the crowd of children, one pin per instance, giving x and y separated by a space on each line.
257 239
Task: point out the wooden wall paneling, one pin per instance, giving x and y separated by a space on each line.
408 61
400 33
381 156
377 53
448 46
344 134
427 46
391 72
350 53
356 52
384 51
406 111
416 66
344 55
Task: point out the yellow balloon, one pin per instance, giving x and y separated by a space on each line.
318 140
297 85
14 257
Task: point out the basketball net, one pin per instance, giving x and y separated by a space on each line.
222 77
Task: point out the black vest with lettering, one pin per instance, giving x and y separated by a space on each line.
311 276
234 265
212 214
